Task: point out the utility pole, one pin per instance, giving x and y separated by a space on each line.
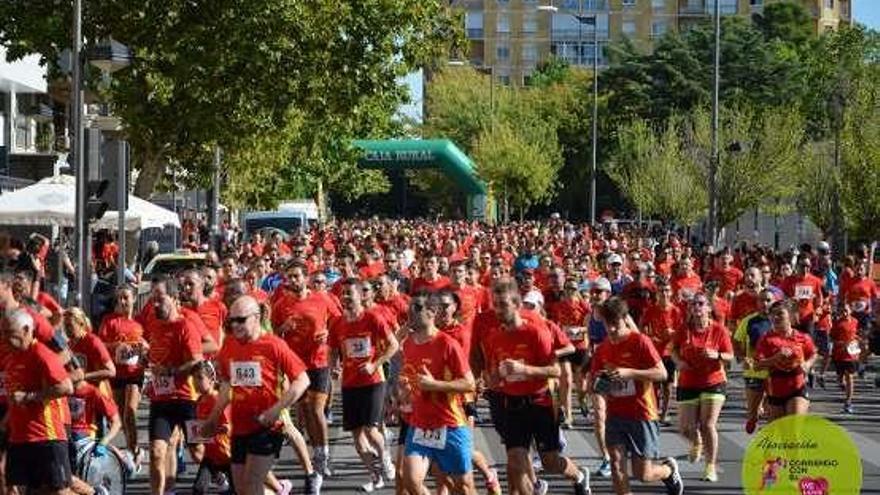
715 159
81 221
595 130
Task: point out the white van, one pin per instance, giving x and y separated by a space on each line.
291 216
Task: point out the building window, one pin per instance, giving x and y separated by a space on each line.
504 79
474 24
728 7
629 28
502 26
658 4
829 4
502 52
529 53
658 29
628 3
530 23
571 4
756 3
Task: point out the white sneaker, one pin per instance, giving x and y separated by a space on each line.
388 469
375 484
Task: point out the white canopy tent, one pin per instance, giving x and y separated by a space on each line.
52 202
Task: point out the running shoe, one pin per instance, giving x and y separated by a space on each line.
388 469
604 470
493 485
696 453
710 474
751 424
377 483
848 409
312 485
674 483
582 487
541 487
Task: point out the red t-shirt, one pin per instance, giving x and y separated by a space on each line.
213 314
147 318
307 320
6 352
195 319
744 304
660 325
685 288
630 399
420 284
702 372
787 377
470 304
118 329
33 370
358 342
93 356
532 343
461 333
49 303
721 310
87 406
255 370
571 315
845 338
445 359
172 344
859 294
728 279
219 449
807 291
398 306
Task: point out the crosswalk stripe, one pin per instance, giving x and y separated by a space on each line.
869 449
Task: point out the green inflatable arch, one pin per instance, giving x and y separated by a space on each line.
429 153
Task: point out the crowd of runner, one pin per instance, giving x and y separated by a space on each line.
414 326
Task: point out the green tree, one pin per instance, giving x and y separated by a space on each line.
787 21
653 171
235 72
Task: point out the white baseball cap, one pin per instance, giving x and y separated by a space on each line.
602 284
615 259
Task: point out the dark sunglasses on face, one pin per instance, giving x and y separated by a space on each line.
238 320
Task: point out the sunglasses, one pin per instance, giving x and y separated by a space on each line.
320 281
238 320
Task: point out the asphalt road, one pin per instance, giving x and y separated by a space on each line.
864 427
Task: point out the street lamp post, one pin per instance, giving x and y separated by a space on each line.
76 107
589 19
715 158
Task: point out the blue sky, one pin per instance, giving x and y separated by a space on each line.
867 12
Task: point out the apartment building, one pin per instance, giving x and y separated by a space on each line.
513 36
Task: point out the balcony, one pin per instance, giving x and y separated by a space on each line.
575 34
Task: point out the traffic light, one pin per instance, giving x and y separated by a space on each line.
96 202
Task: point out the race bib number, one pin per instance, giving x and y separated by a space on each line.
626 388
246 374
853 348
358 347
435 439
194 432
803 292
126 356
860 306
576 333
163 384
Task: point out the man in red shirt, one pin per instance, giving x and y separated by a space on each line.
431 280
806 289
251 367
660 322
746 301
519 359
211 311
363 343
624 368
37 385
175 347
437 376
728 276
301 318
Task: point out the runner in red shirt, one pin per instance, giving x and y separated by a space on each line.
90 352
701 348
253 368
211 311
806 289
364 343
24 288
728 276
436 371
88 407
746 301
37 385
175 347
686 282
124 338
301 318
845 352
786 354
430 279
660 322
519 359
216 460
624 367
388 296
570 311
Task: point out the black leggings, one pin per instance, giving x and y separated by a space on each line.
206 473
